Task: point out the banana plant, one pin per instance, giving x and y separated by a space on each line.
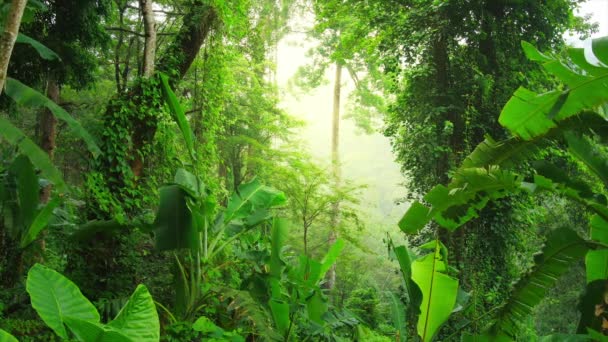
574 115
61 305
294 290
190 223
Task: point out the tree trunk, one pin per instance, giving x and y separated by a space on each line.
335 161
7 41
150 32
48 131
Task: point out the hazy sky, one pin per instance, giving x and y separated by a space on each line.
365 158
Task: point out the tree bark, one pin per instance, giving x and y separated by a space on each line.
48 131
7 41
150 34
335 161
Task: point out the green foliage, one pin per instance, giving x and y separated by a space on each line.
60 303
27 96
35 154
54 297
6 337
439 290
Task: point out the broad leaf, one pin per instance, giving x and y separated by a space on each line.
87 331
43 51
28 190
40 222
439 292
174 228
138 319
528 115
398 317
316 307
6 337
54 297
596 262
592 156
37 156
251 196
562 249
413 291
27 96
415 218
178 115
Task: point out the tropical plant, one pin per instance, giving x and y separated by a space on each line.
573 115
60 304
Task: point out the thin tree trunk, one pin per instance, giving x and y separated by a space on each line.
150 32
335 160
7 41
48 134
48 131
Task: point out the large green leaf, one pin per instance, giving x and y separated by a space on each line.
591 155
174 228
415 218
251 196
562 249
6 337
37 156
528 115
316 307
279 308
54 297
87 331
413 291
178 115
398 317
27 189
439 292
43 51
138 319
27 96
278 236
330 258
596 262
40 222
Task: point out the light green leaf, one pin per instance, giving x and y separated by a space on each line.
278 236
87 331
54 297
316 307
40 222
206 326
43 51
36 155
330 258
413 291
439 292
6 337
188 181
138 319
178 115
596 264
600 49
280 315
27 96
529 115
415 218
